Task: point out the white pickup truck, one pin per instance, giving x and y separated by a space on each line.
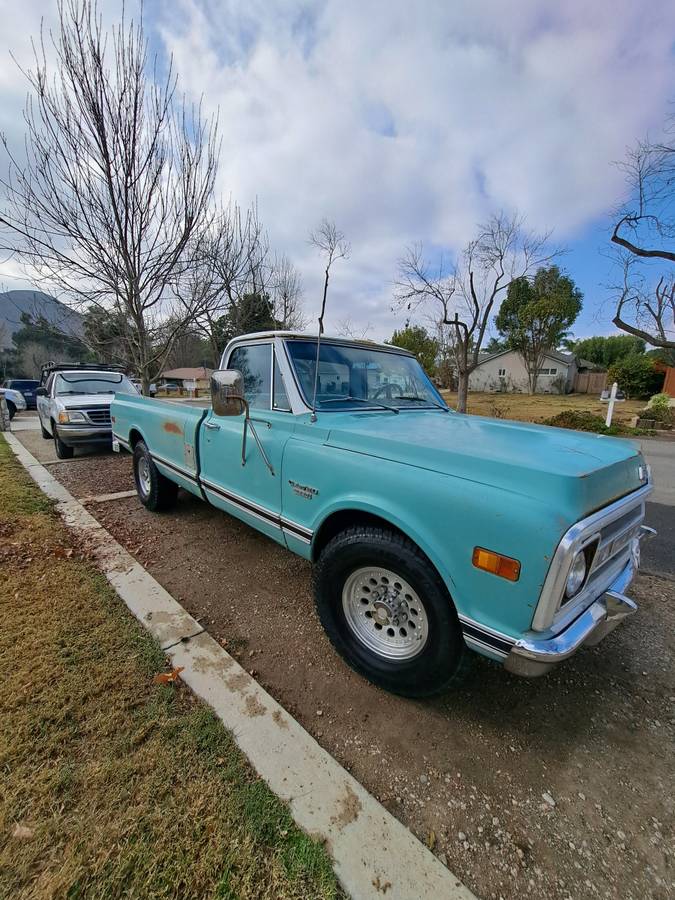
73 404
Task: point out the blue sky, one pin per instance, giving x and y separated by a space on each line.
408 122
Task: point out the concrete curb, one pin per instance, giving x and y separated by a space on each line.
374 854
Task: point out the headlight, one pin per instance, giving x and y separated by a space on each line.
67 416
577 574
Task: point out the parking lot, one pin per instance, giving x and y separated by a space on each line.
560 787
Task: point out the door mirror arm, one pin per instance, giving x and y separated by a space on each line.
227 399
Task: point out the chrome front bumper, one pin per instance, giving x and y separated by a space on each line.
84 434
536 656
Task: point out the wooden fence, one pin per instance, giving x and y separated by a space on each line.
669 383
590 382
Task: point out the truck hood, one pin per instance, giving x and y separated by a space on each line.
77 401
579 472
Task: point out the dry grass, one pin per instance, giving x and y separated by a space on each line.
112 786
526 408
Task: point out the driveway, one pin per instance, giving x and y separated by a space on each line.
559 787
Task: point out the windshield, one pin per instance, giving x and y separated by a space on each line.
351 376
22 385
93 383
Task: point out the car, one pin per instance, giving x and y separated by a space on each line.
15 401
26 387
73 404
432 533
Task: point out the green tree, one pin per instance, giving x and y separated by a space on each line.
605 351
636 376
417 340
536 315
253 312
38 341
494 345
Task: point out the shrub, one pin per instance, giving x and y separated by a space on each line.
581 420
636 376
659 409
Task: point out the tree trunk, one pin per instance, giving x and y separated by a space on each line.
462 390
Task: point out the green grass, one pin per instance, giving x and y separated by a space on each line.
122 788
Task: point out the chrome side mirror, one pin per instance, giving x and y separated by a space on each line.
227 392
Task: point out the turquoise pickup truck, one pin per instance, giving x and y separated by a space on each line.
431 533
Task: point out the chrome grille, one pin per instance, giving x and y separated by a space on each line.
97 415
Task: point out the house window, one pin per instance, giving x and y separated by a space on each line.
553 371
502 372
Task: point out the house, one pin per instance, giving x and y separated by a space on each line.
188 379
505 371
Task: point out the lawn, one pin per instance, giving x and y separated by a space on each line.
113 785
536 408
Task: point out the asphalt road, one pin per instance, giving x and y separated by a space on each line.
658 555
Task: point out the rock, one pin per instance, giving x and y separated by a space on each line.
424 779
547 798
461 836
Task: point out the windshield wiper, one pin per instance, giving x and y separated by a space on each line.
421 400
361 400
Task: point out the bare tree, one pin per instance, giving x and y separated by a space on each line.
115 192
644 234
229 265
464 294
333 246
348 329
286 295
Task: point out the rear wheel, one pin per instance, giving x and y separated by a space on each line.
11 409
387 612
63 451
155 491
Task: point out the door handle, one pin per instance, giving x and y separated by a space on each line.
212 426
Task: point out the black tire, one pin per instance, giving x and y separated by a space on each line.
157 493
45 434
63 451
11 409
444 656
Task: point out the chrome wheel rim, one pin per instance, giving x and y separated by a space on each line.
143 470
385 613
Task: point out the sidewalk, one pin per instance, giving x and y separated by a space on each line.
112 784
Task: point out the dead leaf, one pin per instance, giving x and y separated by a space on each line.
167 677
22 832
431 840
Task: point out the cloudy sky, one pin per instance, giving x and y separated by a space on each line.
405 122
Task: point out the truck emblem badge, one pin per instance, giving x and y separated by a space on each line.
303 490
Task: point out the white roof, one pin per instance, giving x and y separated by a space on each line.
312 336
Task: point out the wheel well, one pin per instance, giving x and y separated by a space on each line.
134 437
348 518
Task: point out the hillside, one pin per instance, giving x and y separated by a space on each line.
36 304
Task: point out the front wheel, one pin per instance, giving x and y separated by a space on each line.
155 491
387 612
63 451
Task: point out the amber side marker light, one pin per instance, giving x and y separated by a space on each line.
504 566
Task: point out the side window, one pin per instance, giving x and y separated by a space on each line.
279 395
48 384
254 363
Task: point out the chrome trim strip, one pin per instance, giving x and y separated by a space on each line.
259 512
169 465
481 647
249 512
554 584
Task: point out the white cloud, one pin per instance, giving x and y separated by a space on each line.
404 122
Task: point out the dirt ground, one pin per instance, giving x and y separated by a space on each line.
560 787
526 408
